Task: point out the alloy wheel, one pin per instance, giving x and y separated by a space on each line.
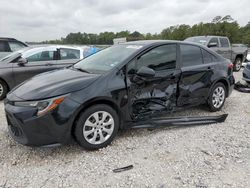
218 97
1 90
98 127
238 64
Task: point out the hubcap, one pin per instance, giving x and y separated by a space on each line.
98 127
218 97
238 65
1 89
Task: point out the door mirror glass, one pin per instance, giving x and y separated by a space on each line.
146 72
22 61
212 44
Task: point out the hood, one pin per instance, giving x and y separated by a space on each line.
52 84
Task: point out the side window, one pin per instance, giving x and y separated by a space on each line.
214 41
42 56
159 58
207 57
14 46
3 46
69 54
224 42
190 55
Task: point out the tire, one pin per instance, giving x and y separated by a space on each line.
3 89
88 130
237 64
217 97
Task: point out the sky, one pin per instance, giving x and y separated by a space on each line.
39 20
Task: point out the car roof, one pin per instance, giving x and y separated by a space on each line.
53 47
155 42
209 36
7 39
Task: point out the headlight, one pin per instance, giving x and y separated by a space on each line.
42 106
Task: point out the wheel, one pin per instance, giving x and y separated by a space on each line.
3 90
96 127
217 97
237 64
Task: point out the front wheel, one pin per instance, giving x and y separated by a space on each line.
237 64
217 97
96 127
3 90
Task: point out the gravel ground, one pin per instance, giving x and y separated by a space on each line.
215 155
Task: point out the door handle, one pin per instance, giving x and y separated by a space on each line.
49 64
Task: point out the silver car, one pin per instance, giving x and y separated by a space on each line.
26 63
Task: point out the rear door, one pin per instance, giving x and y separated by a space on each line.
68 56
196 76
39 62
225 48
150 96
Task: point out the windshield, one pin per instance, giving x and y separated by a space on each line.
106 59
14 54
201 40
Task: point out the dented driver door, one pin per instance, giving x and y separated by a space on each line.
156 94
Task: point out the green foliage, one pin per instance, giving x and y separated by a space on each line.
221 26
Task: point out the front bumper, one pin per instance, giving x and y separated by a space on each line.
29 129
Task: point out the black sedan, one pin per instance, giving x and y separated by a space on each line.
120 87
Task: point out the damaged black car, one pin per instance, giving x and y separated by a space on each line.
120 87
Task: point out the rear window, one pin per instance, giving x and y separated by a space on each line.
190 55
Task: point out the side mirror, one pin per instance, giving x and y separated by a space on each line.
212 44
22 61
146 72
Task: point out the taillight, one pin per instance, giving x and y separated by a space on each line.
231 65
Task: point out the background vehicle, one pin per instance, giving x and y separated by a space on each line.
21 65
246 73
222 46
9 45
121 86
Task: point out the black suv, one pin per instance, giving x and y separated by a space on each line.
8 45
120 87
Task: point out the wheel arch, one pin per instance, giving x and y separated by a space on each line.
224 82
241 56
8 87
100 100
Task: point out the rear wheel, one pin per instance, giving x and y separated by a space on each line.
217 97
96 127
237 64
3 89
